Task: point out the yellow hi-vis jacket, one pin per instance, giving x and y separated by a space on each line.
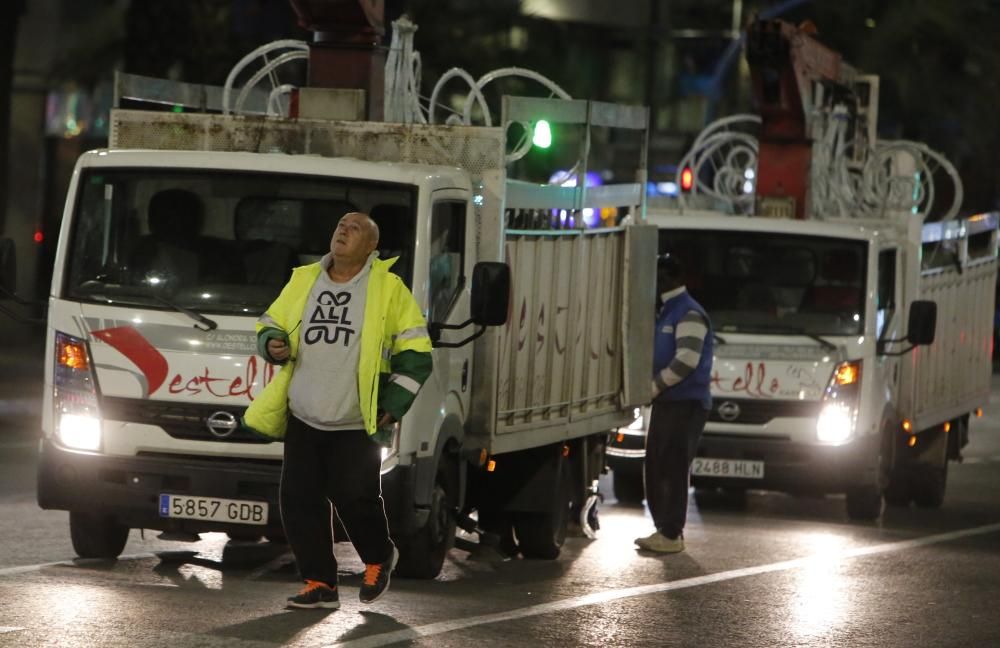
395 357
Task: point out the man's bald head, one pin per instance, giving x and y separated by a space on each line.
355 237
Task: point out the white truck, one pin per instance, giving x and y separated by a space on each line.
854 341
179 234
810 390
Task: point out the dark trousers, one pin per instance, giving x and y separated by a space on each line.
671 443
338 467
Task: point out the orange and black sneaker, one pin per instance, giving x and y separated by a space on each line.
376 580
315 594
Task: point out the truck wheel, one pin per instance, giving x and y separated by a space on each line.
422 554
541 534
96 536
928 485
628 486
865 503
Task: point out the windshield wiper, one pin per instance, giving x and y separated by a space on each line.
797 331
206 324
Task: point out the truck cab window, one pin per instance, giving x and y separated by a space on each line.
757 282
218 241
886 303
447 257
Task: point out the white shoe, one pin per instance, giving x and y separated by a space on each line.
660 543
643 541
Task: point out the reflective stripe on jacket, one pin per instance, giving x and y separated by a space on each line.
395 355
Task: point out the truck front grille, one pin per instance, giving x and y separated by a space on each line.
747 411
179 420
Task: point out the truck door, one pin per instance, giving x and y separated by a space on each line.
449 274
889 319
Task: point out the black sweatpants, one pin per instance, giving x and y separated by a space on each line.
671 443
338 467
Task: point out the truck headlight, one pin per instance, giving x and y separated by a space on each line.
839 415
835 423
78 421
80 431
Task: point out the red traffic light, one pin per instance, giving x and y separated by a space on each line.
687 179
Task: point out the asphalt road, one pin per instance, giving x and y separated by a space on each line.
782 571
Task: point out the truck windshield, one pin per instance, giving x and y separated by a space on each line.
759 282
218 242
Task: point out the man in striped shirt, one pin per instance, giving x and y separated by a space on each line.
682 368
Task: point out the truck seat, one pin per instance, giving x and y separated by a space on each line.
265 258
170 252
396 237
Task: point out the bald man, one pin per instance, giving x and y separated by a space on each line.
356 351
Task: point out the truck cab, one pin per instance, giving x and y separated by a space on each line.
169 260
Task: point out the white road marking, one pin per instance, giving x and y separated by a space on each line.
24 569
6 629
596 598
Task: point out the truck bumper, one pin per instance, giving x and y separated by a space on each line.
794 467
129 489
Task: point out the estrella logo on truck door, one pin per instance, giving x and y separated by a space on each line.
155 374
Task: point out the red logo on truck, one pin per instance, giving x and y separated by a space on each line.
154 367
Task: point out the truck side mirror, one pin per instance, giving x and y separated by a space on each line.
8 268
490 297
490 293
922 324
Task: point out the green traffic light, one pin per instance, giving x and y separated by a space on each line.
542 136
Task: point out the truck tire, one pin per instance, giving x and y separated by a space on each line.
628 486
894 468
928 484
865 503
96 536
422 554
541 534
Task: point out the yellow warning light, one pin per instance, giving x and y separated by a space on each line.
947 427
72 354
491 466
620 437
565 450
912 441
847 373
482 457
979 412
907 426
